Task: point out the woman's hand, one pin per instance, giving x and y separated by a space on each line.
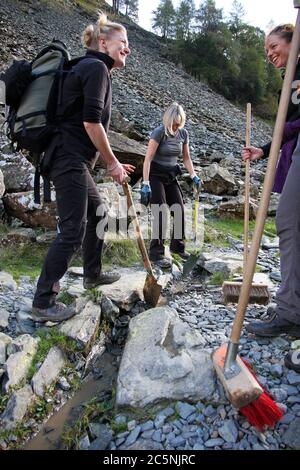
252 153
128 168
120 171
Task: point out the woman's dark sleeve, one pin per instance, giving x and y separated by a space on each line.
266 149
95 83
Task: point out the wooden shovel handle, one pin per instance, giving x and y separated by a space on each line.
137 228
268 184
247 189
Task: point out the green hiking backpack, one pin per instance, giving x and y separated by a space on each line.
33 94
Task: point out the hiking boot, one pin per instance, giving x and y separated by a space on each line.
103 278
292 360
183 255
164 263
56 313
273 326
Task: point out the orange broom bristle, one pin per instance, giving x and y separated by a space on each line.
263 412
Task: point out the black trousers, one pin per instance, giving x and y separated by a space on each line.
166 193
77 203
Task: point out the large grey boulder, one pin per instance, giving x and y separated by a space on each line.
83 327
128 150
21 352
219 262
163 359
5 340
218 180
4 316
129 288
17 171
49 371
234 208
17 407
7 281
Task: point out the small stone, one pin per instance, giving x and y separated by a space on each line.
277 370
293 378
64 384
167 412
157 436
214 443
209 411
84 443
184 409
148 434
229 431
287 418
159 421
147 426
121 419
133 436
131 425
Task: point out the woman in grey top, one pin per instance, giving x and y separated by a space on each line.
167 143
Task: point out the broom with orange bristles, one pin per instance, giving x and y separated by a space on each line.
241 386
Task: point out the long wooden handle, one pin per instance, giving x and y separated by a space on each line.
137 228
268 184
247 189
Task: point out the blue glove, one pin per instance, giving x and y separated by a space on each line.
197 182
145 194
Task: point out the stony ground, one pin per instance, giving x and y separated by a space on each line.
181 425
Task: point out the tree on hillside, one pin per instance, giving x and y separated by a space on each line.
209 17
184 17
164 18
116 5
131 9
236 17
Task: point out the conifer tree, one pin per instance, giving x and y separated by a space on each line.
184 17
164 19
131 9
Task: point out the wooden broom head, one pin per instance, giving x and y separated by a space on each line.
241 387
259 293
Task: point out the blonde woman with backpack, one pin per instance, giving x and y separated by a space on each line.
81 137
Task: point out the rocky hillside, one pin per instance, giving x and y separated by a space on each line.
142 90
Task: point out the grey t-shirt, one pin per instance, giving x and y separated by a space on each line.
170 147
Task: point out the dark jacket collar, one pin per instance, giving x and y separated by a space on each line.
109 62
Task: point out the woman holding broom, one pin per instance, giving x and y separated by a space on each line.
285 316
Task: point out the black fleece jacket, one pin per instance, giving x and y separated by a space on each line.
86 97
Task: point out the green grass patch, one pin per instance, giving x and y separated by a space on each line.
3 229
94 409
217 230
94 294
27 259
48 339
217 279
3 402
123 253
22 260
65 297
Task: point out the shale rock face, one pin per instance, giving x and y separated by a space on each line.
141 93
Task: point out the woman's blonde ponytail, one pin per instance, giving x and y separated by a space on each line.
102 28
